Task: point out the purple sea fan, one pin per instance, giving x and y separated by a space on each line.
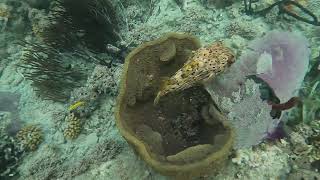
289 55
280 59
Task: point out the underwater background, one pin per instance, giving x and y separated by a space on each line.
160 89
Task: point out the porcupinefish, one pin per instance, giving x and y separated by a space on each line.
204 64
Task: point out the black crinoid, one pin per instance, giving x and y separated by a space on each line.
50 71
68 41
93 23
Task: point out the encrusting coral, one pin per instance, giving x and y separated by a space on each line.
176 137
30 137
205 63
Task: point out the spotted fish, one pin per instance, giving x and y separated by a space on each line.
205 63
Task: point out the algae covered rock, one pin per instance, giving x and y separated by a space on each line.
174 136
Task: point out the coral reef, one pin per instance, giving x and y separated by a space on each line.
300 146
50 163
303 174
30 137
188 18
243 28
10 151
152 129
81 33
268 161
89 98
218 3
105 151
44 165
308 110
11 19
10 156
101 82
304 150
86 99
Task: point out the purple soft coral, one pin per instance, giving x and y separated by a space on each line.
277 133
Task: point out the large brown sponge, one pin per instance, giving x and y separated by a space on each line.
184 135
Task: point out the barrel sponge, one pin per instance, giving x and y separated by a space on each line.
180 136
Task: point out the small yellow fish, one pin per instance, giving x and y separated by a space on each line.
205 63
76 105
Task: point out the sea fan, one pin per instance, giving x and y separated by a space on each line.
281 60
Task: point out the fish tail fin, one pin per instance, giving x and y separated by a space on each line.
157 98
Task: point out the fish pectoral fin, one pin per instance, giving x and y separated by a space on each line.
163 85
206 79
164 78
157 98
